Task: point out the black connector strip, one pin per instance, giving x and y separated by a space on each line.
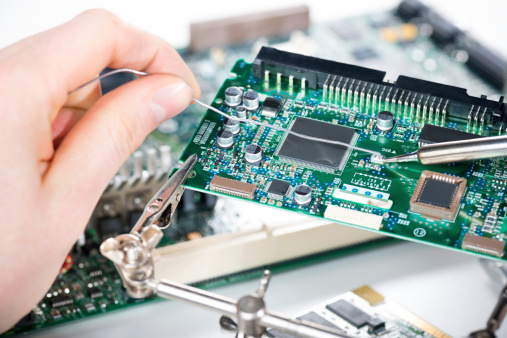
410 9
314 70
485 62
317 71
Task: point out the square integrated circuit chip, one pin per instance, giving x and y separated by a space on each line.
315 154
278 189
355 315
438 195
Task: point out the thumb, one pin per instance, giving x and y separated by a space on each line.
108 133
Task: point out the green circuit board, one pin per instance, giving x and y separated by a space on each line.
460 206
364 312
93 287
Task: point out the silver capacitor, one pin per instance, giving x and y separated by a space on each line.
225 138
241 112
232 125
385 121
233 96
251 99
303 194
253 153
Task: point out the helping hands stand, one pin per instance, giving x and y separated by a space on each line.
131 254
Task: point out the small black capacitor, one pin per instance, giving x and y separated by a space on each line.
303 194
251 99
241 112
233 96
225 138
253 153
385 121
232 125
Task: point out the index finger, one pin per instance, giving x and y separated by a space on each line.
90 42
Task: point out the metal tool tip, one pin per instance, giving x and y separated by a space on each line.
377 158
410 157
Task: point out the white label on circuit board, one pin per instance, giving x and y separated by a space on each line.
373 182
204 132
365 191
363 199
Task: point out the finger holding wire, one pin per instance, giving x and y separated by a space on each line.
235 118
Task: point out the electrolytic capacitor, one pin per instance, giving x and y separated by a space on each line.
385 121
253 153
302 194
225 138
241 112
251 99
232 125
233 96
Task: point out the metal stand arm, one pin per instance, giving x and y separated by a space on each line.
249 311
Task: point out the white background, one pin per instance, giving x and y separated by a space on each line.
447 289
170 19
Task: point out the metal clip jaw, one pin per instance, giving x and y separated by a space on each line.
131 254
161 207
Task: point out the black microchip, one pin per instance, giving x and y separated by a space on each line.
271 106
364 53
90 307
60 300
434 134
316 153
95 293
354 315
278 188
94 272
311 317
438 193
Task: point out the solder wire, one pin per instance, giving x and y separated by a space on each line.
244 120
262 124
100 77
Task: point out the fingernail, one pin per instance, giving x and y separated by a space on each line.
170 100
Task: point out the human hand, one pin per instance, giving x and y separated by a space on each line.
59 151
